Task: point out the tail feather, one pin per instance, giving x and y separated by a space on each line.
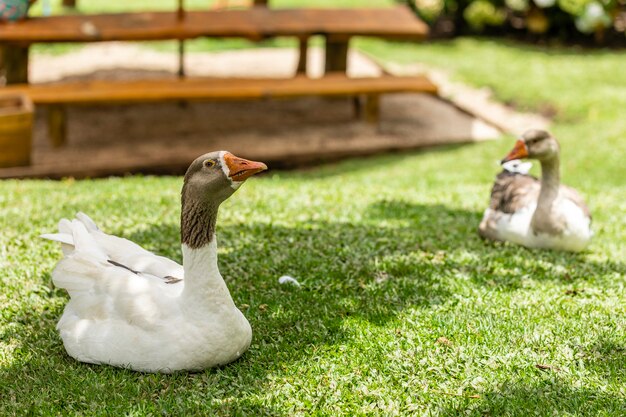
79 270
68 231
64 236
90 225
59 237
84 243
65 226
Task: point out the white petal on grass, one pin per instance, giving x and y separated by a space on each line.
286 279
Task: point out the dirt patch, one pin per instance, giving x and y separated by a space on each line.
106 140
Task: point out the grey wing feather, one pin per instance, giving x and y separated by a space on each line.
513 191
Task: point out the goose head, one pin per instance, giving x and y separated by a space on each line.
209 181
215 176
535 144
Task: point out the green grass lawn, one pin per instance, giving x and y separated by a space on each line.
403 309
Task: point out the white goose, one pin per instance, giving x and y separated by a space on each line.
133 309
536 213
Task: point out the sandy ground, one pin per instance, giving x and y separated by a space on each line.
107 140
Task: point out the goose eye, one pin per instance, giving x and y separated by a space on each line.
209 163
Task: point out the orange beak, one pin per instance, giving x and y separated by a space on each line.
519 151
240 169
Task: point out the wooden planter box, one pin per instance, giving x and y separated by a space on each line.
16 130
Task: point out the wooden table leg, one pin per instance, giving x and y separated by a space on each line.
181 42
302 59
357 107
336 55
181 59
57 125
372 108
337 61
15 64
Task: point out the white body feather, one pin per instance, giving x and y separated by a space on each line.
138 320
517 166
516 227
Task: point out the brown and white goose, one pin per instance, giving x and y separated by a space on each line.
133 309
536 213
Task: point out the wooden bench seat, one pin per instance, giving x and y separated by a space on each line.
195 89
174 89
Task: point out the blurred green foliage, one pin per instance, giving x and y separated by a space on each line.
601 20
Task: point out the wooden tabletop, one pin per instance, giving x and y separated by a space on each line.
254 23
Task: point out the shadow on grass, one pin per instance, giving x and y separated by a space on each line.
401 256
543 398
338 166
549 394
499 264
607 357
43 380
342 281
348 272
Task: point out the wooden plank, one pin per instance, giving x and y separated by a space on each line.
172 89
253 23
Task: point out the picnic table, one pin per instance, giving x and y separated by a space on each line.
337 26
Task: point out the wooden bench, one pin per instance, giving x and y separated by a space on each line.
338 26
56 96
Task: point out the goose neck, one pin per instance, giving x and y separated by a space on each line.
546 219
203 282
550 180
197 222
